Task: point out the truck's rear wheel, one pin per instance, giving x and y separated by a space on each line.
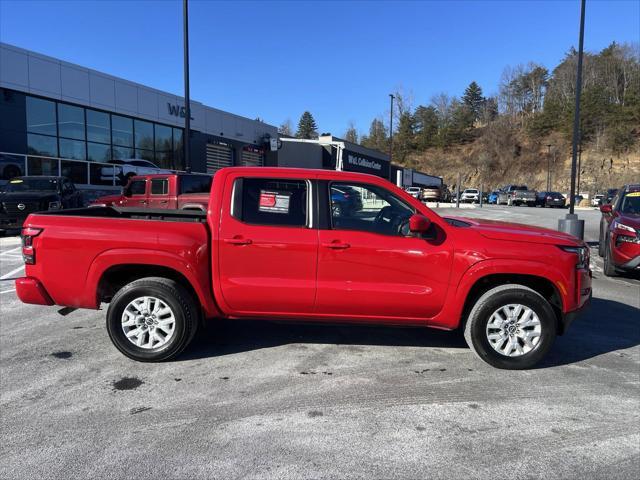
152 319
511 327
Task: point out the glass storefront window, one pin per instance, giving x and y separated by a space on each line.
74 149
102 175
41 116
11 166
122 131
163 138
76 171
121 153
144 154
144 135
71 121
42 166
97 152
178 149
98 127
42 145
164 160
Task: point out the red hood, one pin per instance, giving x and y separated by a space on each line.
630 219
107 199
496 230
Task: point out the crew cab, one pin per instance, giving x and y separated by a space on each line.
270 246
24 195
620 232
166 191
514 195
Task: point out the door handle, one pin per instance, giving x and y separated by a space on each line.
143 201
336 245
237 241
164 201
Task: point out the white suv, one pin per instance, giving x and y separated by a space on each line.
470 195
414 191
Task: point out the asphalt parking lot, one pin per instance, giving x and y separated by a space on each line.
261 400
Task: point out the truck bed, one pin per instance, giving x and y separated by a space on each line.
159 214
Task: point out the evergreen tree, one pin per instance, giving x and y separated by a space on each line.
426 126
351 135
404 139
307 127
473 100
377 138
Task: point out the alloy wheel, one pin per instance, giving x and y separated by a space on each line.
514 330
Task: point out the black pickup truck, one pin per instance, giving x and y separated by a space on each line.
24 195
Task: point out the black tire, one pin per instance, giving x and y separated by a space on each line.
182 304
475 330
608 268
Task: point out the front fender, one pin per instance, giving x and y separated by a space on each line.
451 315
196 272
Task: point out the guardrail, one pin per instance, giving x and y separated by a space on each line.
82 173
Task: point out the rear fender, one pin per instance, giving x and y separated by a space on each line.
197 274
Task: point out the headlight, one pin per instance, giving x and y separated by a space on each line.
623 229
55 205
582 253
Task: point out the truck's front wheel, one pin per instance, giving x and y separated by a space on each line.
511 327
152 319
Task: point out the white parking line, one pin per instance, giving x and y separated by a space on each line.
12 272
8 291
10 251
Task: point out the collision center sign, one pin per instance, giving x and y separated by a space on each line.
357 162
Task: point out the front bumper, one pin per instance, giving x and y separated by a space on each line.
31 290
11 223
567 318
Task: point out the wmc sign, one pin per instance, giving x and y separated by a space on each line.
177 110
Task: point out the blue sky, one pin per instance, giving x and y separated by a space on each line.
339 60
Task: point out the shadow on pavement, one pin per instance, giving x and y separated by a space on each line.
608 326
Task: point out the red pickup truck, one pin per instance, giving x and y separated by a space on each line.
272 247
178 191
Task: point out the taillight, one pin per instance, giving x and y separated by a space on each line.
28 251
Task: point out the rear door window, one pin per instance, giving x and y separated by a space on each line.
275 202
159 186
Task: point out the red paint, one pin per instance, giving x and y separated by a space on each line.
239 270
30 290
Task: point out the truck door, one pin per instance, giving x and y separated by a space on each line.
267 246
369 265
159 194
135 193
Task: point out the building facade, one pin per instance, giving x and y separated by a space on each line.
61 118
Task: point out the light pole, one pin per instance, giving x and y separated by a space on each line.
187 101
549 167
570 224
391 97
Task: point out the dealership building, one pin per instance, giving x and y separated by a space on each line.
60 118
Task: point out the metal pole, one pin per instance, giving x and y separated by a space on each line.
576 116
481 189
391 128
549 167
187 100
570 224
458 192
579 168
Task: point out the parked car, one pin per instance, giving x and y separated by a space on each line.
470 195
414 191
268 249
550 199
433 193
24 195
178 191
620 231
597 199
125 169
345 201
517 195
493 197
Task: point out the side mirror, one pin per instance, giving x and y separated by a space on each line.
606 208
419 223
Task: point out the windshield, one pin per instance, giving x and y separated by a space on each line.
32 185
631 203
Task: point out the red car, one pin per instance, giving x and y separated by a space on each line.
272 247
620 232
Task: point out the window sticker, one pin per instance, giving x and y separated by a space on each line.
16 181
274 202
633 194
